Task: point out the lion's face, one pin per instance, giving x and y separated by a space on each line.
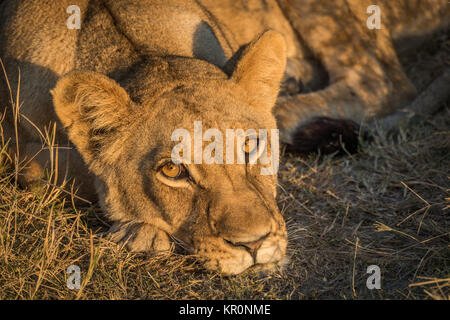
223 211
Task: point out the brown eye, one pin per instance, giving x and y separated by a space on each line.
250 145
173 171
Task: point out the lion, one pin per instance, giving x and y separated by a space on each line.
112 91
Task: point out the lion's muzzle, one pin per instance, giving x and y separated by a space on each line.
244 231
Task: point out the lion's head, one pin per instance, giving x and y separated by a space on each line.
224 213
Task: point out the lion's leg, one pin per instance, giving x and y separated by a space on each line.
366 79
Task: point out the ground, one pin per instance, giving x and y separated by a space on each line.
388 205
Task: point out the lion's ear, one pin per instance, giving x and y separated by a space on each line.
261 67
93 108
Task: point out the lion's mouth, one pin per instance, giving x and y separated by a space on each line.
235 258
251 247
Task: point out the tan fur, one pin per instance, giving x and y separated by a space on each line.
137 70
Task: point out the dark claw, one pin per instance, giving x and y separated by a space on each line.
327 136
291 86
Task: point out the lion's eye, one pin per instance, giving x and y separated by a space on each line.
173 171
250 145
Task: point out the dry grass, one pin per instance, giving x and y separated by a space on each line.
387 205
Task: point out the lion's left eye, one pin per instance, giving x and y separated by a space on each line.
250 145
173 171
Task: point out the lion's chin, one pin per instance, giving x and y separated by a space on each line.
238 263
270 266
268 258
235 268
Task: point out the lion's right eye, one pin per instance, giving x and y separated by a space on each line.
173 171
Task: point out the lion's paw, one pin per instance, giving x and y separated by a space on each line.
140 237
